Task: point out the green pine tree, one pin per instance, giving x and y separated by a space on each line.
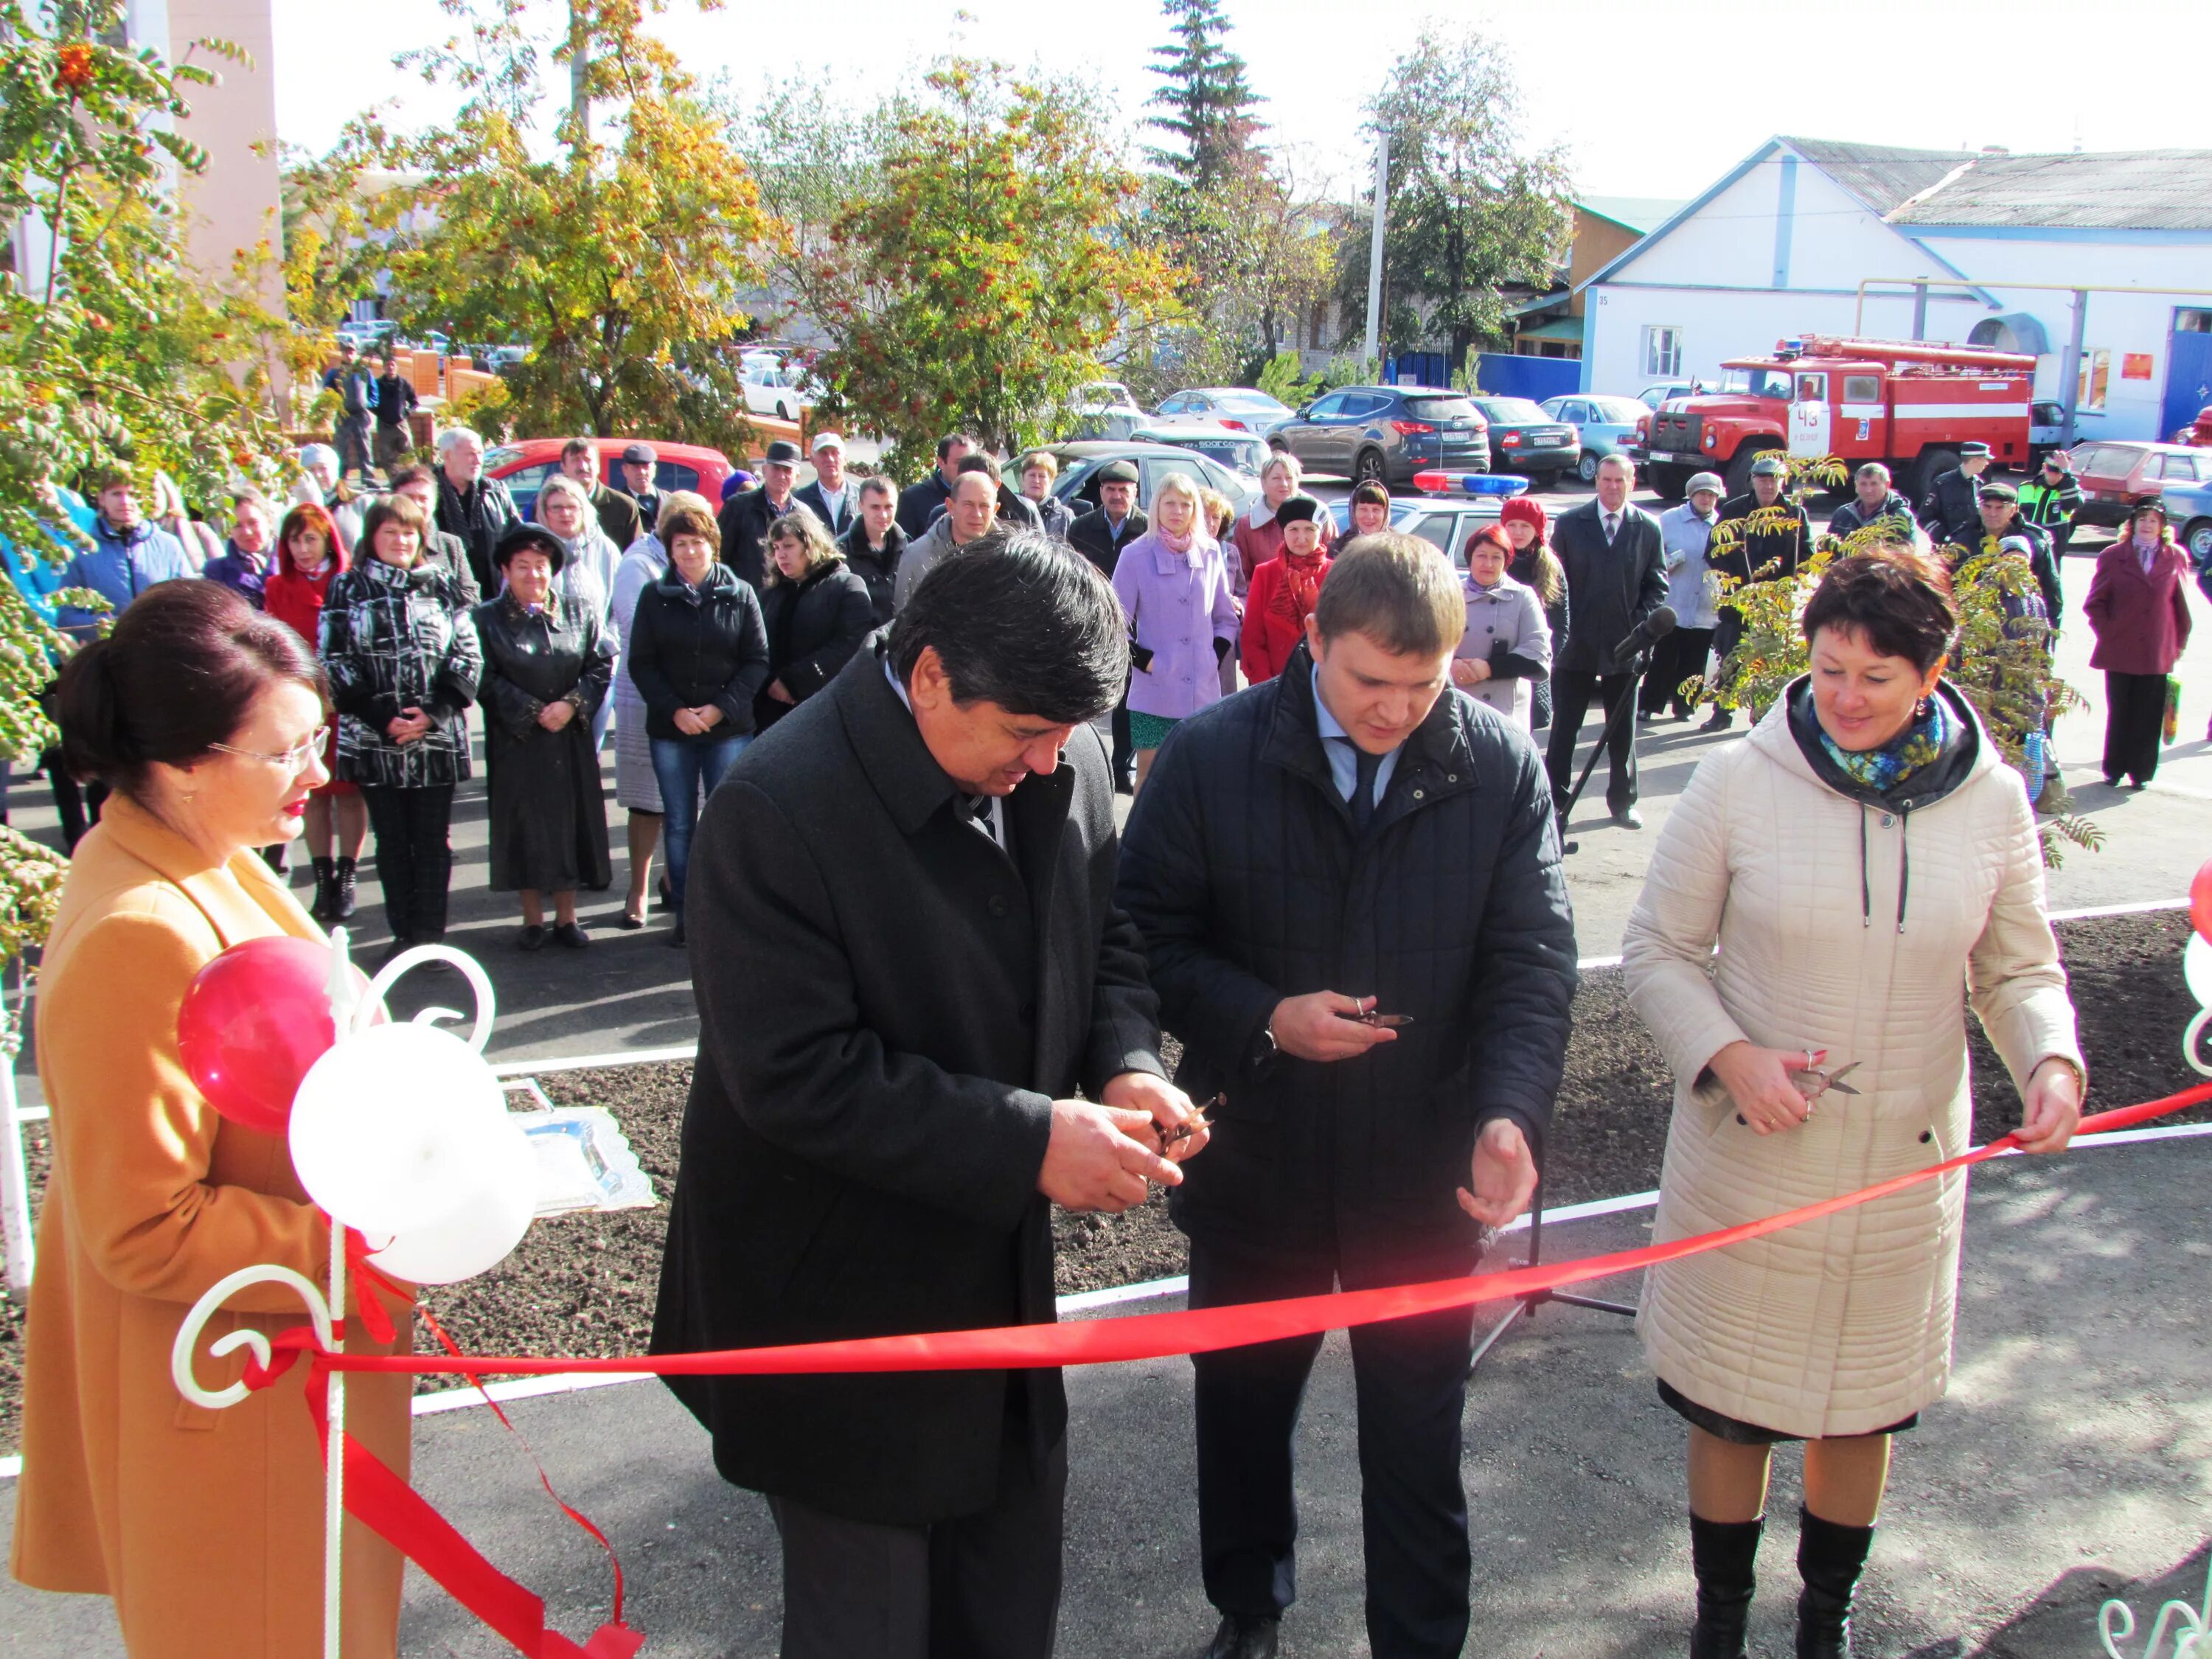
1209 103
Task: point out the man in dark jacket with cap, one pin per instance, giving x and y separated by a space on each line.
1353 838
1951 511
883 1114
639 463
1100 535
1770 550
2001 517
746 518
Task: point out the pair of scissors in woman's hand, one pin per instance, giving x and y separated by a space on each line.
1821 1081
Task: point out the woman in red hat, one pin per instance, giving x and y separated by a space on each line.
309 553
1535 566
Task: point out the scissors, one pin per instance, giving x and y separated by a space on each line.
1190 1126
1823 1081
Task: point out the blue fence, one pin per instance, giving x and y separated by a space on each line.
1498 374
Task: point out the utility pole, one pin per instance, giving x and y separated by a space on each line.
579 69
1373 350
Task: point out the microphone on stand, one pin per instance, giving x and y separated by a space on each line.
1646 634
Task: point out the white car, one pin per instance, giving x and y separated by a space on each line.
1238 408
781 391
1104 408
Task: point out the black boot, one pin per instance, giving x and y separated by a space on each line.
343 902
1829 1557
1724 1554
324 908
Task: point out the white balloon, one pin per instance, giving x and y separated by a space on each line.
2196 969
482 1231
394 1129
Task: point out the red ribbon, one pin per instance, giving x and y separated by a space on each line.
377 1496
1157 1336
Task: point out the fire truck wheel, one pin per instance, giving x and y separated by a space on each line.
1671 481
1932 465
1739 472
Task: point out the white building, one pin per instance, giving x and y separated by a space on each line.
1782 245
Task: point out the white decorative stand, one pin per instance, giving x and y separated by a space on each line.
2189 1628
353 1010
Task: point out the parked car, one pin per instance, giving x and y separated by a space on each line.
1236 407
501 358
1444 524
1604 426
1388 433
523 466
2189 509
1660 391
1081 460
366 336
2113 474
784 391
1525 440
1104 408
2047 430
1238 451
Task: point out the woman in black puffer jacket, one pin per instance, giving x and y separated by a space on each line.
818 613
697 653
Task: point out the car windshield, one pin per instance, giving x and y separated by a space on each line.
1242 453
1760 383
1624 411
1259 400
1514 411
500 457
1443 408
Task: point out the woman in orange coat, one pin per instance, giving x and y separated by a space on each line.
206 718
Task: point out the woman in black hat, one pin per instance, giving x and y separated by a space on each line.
547 668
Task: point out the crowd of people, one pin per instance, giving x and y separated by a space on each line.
935 984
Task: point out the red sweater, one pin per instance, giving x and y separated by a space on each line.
1275 610
296 600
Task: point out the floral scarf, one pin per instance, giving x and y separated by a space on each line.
1882 769
1301 590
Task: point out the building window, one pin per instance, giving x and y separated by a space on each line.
1662 351
2096 376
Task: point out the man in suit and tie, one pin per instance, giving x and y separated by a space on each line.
1616 571
831 498
1100 535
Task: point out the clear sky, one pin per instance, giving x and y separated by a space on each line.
1656 100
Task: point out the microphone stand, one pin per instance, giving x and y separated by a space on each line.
1636 667
1525 1306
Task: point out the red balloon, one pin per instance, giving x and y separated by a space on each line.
2200 901
254 1022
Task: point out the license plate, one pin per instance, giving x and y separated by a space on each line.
1661 455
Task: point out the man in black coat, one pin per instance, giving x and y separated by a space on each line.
2000 516
1770 551
1616 570
832 497
909 958
1353 836
1873 498
920 502
1100 535
875 544
1951 511
476 509
747 517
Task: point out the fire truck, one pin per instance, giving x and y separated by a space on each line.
1908 403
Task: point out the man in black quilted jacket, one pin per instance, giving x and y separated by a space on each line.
1352 840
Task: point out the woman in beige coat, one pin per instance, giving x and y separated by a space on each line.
1861 854
205 1527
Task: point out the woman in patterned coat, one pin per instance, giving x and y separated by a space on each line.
403 662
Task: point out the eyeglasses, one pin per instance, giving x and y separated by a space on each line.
295 760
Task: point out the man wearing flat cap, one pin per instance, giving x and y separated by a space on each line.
640 484
1100 535
746 518
1951 510
2000 518
1769 549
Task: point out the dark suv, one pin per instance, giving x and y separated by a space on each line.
1388 433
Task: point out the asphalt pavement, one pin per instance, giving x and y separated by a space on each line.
2068 1464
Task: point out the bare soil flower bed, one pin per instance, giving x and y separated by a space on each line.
584 1284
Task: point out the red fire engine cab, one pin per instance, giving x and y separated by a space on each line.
1908 403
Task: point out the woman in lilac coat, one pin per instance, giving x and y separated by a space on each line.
1174 586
